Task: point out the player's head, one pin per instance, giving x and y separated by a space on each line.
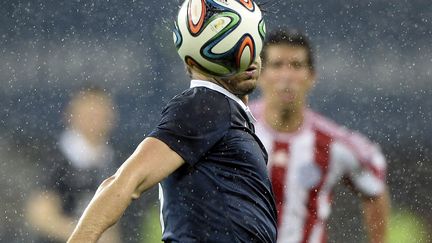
288 69
91 113
291 38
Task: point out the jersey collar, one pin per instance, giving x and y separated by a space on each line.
220 89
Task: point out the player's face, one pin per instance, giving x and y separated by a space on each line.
286 77
245 82
93 115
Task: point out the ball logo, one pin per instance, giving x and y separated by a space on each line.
219 24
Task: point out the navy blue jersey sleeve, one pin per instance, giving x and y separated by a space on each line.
193 122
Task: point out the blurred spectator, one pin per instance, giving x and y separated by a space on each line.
76 165
16 180
309 154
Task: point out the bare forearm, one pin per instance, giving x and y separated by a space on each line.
104 210
376 213
152 161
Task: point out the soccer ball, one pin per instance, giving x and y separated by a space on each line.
219 37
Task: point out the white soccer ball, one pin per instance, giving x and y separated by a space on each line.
220 37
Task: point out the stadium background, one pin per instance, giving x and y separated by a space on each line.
374 65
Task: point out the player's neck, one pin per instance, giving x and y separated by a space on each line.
284 119
198 75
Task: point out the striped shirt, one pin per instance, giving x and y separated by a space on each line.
305 166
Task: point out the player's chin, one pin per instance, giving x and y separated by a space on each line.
246 86
243 83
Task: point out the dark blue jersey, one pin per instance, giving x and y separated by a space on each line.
222 193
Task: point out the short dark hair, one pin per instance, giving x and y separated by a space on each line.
290 37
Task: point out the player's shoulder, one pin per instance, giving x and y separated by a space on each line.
336 131
348 141
197 96
198 104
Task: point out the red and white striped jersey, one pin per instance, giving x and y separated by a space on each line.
305 167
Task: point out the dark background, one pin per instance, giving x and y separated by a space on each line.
374 63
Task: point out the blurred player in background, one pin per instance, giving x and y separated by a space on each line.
309 154
77 165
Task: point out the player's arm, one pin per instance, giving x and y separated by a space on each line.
365 166
376 214
152 161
